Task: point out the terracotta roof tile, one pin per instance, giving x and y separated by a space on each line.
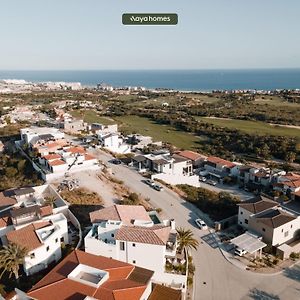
156 235
57 162
75 149
26 236
46 210
258 204
119 286
191 155
6 201
161 292
124 213
89 156
220 161
275 218
52 156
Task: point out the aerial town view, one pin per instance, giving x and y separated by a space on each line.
152 155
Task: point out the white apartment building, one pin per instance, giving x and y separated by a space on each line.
127 233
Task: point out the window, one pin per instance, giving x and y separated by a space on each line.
241 222
62 239
122 246
32 255
241 212
286 234
246 221
282 230
112 235
133 261
56 240
291 226
47 248
133 244
263 229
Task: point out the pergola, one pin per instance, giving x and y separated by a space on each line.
249 242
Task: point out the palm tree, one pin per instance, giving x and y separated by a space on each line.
11 257
186 239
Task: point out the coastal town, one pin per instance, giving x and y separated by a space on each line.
112 193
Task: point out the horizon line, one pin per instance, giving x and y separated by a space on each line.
145 69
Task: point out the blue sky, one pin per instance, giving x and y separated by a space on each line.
211 34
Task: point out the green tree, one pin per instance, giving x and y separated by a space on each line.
290 157
11 257
186 239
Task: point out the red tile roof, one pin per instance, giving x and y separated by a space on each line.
75 149
161 292
258 204
26 236
293 183
6 201
220 161
190 155
57 162
155 235
52 156
46 210
119 286
124 213
89 156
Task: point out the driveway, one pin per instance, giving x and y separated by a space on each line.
215 278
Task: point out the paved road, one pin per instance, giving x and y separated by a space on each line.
215 277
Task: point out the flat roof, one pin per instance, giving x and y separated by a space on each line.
248 242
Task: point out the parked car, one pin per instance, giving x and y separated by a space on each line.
116 161
201 224
157 187
240 252
202 178
149 182
211 182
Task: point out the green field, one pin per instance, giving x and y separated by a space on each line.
91 116
165 133
275 101
251 127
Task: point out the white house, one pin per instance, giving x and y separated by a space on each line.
127 233
289 184
68 159
173 169
36 218
253 206
42 240
114 143
33 134
278 226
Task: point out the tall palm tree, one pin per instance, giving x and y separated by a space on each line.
186 239
11 257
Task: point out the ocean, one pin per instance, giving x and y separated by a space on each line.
184 80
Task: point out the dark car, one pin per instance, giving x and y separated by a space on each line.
116 162
157 187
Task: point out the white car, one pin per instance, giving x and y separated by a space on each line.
240 252
201 224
